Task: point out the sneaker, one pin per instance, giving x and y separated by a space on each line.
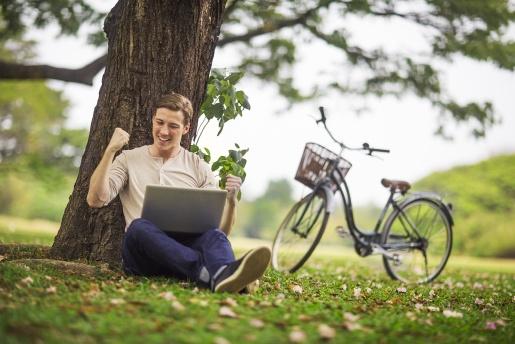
238 274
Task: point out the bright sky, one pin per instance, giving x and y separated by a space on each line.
276 136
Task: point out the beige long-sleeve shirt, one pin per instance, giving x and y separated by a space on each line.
134 169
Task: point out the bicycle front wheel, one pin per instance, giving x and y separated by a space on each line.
300 232
420 238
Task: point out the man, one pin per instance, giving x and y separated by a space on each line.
208 258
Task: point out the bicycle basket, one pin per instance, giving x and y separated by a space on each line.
315 162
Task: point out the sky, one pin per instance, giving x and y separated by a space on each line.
276 135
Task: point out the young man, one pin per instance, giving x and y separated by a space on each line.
207 259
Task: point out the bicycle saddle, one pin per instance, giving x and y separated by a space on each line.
396 185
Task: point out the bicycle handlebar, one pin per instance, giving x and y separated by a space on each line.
365 146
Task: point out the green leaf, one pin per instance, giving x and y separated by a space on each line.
235 77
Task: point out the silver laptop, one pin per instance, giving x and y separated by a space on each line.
183 210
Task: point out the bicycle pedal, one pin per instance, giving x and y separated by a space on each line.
342 232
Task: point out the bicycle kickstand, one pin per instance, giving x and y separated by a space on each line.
377 249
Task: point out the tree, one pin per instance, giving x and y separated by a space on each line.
154 47
268 34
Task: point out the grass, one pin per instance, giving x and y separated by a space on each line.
338 297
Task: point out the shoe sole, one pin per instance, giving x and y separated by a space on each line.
251 268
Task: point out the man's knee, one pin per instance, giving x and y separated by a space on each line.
216 233
137 228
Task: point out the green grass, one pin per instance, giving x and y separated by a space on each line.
115 308
58 307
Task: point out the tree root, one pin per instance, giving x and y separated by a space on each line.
73 268
38 255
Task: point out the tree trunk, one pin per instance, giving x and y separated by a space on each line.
154 46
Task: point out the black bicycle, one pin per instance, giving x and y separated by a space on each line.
415 240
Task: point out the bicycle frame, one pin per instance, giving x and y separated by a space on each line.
364 242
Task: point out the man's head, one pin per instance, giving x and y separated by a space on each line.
175 102
171 120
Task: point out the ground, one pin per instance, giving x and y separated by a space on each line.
337 298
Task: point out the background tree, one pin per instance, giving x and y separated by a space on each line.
39 155
265 214
268 34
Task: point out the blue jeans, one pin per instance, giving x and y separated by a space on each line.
148 251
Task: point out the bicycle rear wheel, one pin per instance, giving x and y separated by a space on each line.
420 236
300 232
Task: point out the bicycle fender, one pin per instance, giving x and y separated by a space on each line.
331 201
436 199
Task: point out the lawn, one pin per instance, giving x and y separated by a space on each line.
337 298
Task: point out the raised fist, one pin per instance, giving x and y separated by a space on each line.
119 139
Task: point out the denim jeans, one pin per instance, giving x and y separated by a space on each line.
149 251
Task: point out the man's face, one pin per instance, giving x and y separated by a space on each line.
167 129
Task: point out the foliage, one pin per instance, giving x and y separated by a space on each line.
232 164
39 155
266 211
336 299
268 36
16 16
224 103
34 191
483 196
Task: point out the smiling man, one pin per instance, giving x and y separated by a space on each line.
208 258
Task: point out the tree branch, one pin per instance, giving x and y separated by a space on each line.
84 75
269 27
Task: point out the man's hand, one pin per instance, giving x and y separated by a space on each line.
232 185
119 139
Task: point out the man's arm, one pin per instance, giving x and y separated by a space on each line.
98 192
232 186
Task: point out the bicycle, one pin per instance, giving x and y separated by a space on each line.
415 240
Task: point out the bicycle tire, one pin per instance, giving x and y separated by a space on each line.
284 257
430 219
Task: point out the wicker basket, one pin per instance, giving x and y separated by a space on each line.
314 164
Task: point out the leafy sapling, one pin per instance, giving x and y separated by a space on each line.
223 102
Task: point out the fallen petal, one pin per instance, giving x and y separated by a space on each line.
257 323
491 325
297 289
51 290
229 302
117 302
326 331
168 296
350 317
27 280
297 336
221 340
452 314
177 306
226 312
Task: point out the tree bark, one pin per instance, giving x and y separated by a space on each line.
154 46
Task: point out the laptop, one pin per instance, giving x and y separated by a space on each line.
183 210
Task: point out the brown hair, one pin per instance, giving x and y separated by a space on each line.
176 102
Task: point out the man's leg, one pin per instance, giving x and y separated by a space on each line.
147 250
215 249
228 274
